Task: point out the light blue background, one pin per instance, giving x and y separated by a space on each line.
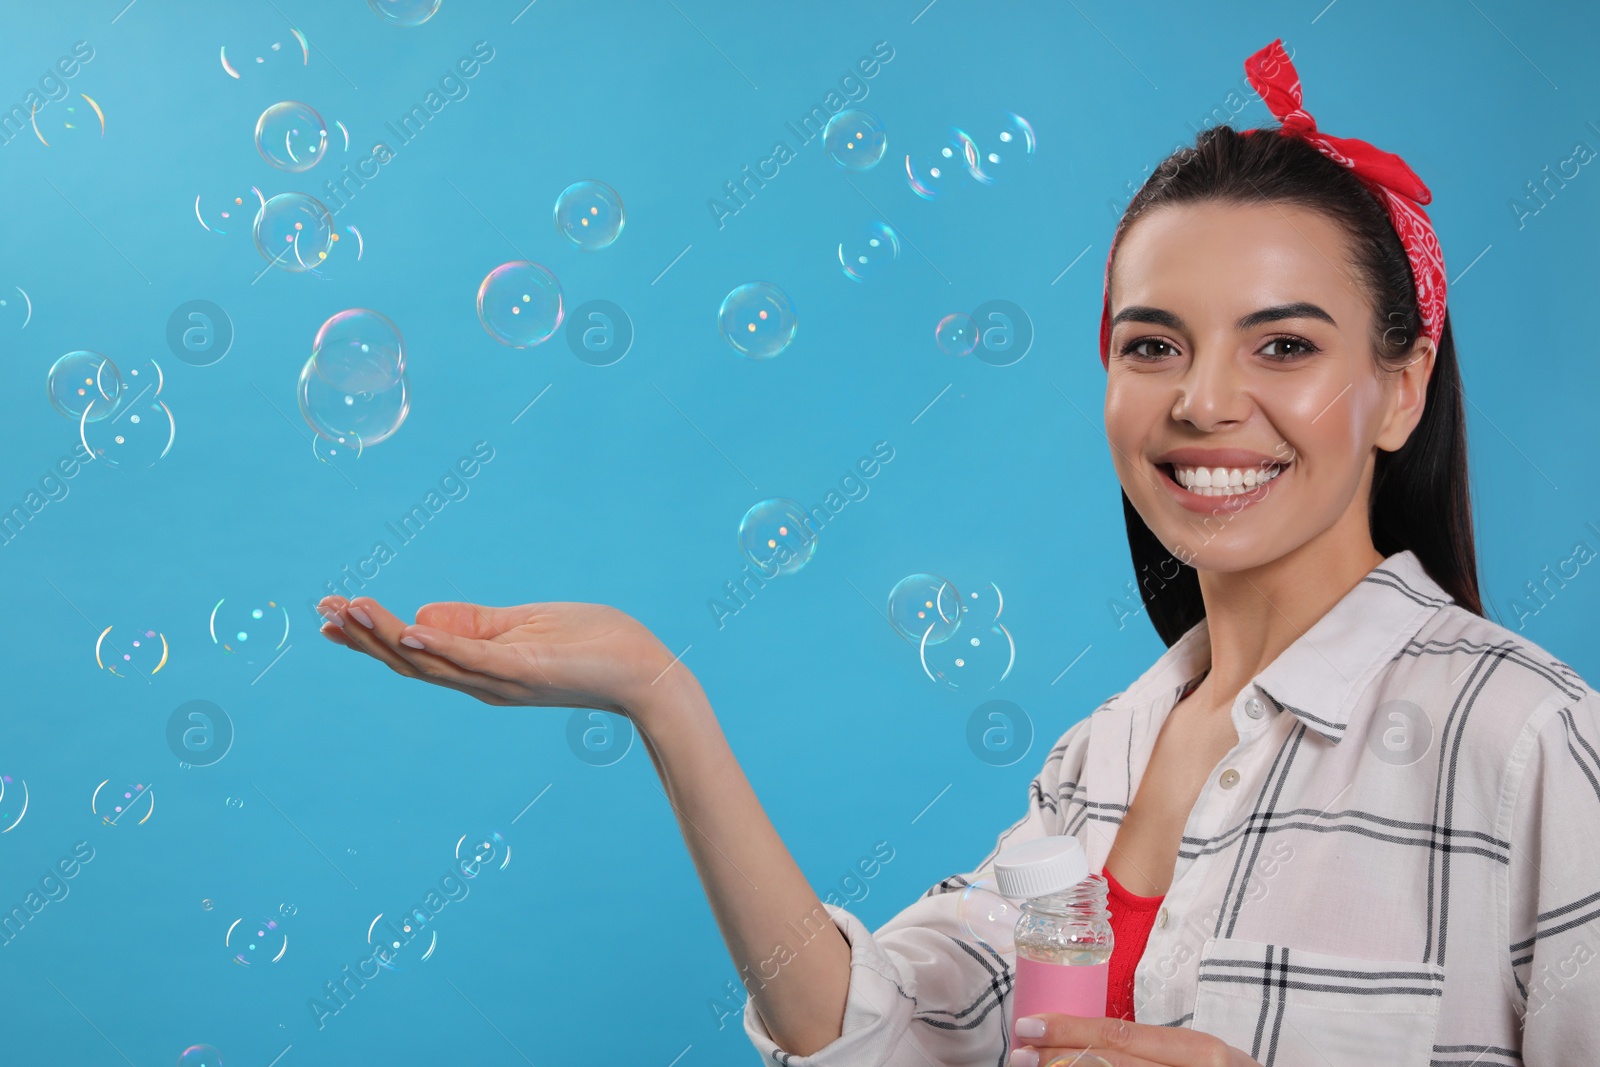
596 942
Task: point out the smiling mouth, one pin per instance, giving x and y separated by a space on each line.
1221 493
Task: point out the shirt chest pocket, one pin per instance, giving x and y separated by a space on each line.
1287 1007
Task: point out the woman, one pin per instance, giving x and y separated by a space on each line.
1345 819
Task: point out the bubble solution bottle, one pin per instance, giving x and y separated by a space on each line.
1063 936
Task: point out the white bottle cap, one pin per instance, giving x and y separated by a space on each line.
1040 867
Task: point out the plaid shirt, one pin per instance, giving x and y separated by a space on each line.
1397 863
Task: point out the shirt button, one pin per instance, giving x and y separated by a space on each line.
1161 917
1230 778
1254 708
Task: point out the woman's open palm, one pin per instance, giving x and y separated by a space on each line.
568 655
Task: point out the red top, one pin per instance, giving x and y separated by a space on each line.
1131 919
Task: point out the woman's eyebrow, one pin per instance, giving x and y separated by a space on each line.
1161 317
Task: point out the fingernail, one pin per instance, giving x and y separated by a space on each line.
360 616
412 641
332 618
1024 1057
1030 1026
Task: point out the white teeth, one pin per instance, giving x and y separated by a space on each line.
1223 481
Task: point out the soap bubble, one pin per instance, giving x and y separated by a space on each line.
258 941
205 905
405 12
294 231
980 653
956 335
249 626
855 139
78 379
589 214
757 320
869 253
949 166
340 414
291 136
229 213
341 447
924 605
359 351
775 536
987 917
200 1055
131 651
1007 143
134 430
483 852
519 303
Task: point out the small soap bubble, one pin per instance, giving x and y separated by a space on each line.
855 139
256 941
79 379
956 334
288 911
868 254
987 917
200 1056
519 303
589 214
291 136
924 605
757 320
980 653
339 415
359 350
405 12
235 802
134 430
950 165
1007 142
294 232
245 626
775 536
206 904
131 651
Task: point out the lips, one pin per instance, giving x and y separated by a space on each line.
1209 505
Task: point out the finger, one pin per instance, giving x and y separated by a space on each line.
1121 1041
381 639
333 632
494 659
467 620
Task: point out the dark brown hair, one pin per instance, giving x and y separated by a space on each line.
1420 497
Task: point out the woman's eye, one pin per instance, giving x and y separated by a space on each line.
1300 347
1134 348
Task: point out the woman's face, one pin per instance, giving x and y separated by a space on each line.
1243 400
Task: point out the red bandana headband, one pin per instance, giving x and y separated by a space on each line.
1394 183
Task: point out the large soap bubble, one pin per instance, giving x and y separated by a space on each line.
294 231
359 350
519 303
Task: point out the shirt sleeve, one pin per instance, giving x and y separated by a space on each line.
923 990
1554 896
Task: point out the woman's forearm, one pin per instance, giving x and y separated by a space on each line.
788 953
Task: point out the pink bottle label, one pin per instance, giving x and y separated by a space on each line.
1071 989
